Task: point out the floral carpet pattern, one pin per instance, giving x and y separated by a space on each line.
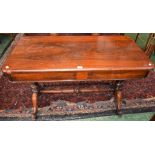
17 97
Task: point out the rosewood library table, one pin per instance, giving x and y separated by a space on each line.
37 59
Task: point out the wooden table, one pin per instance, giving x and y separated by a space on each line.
75 58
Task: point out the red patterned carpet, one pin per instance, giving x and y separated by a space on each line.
18 96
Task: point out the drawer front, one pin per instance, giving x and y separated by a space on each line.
114 75
43 76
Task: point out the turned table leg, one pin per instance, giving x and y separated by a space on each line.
34 100
118 96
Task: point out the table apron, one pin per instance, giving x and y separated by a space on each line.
78 75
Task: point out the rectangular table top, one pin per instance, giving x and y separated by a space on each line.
75 53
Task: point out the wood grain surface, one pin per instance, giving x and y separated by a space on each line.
48 58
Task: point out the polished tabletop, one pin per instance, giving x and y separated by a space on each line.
33 53
48 58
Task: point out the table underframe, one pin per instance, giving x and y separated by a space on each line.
36 91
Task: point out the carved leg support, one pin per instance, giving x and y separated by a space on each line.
34 100
118 96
